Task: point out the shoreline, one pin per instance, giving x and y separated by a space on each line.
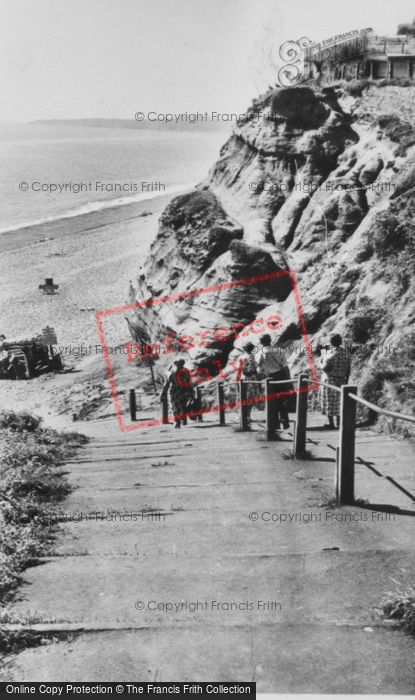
71 223
96 207
91 257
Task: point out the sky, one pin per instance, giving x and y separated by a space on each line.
65 59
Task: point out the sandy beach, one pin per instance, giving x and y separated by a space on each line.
92 257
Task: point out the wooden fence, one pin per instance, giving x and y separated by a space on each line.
345 453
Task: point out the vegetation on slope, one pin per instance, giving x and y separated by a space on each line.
31 486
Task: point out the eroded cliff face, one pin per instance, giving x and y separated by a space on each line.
198 246
307 182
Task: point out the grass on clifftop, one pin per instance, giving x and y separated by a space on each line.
31 487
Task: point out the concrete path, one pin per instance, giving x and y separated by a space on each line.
290 605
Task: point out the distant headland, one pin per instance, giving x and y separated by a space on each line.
153 122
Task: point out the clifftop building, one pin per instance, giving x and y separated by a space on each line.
361 54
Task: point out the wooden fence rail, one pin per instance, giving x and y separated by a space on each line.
383 411
345 452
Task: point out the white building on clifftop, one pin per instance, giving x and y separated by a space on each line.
361 54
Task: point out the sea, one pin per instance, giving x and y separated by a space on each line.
52 172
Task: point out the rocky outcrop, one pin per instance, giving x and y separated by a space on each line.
194 231
299 185
199 247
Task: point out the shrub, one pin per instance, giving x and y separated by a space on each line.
355 88
20 422
397 130
401 607
31 486
12 642
350 275
372 385
386 380
365 252
406 28
187 208
365 323
388 236
404 82
361 328
394 239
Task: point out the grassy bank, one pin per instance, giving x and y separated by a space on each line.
32 484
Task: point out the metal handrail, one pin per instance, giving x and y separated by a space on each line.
382 411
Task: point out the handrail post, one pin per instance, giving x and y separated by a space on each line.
165 410
300 416
270 412
347 437
243 421
220 396
336 478
199 403
133 405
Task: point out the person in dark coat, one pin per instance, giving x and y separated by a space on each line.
272 365
249 372
178 386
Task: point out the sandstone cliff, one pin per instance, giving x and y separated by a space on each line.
320 182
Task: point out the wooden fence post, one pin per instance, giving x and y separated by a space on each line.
345 487
133 405
270 411
300 417
165 410
199 403
220 397
336 478
243 421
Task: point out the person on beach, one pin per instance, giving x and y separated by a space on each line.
335 366
178 386
250 374
271 364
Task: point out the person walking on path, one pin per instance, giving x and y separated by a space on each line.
272 364
250 374
178 387
335 366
